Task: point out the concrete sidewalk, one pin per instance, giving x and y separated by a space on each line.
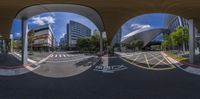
193 69
8 60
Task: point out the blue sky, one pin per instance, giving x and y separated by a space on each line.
58 21
143 21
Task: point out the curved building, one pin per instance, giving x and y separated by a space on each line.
146 34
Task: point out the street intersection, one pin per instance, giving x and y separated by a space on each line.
83 76
151 60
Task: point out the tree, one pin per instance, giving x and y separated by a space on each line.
185 34
83 43
139 43
133 44
180 36
95 42
164 45
91 43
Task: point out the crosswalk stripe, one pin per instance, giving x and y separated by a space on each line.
64 55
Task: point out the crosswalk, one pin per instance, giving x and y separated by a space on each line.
64 55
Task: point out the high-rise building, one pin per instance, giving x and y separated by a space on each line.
76 30
117 37
63 44
172 22
41 38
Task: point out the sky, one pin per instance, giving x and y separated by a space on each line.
58 21
143 21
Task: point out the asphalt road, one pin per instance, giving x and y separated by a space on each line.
64 64
152 60
132 82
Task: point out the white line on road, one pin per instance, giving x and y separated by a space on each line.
147 60
69 60
60 55
158 63
158 59
56 55
64 55
137 57
29 60
172 65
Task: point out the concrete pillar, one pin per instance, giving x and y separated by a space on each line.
191 41
101 43
11 43
24 41
4 46
1 46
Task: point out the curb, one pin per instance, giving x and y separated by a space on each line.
14 72
11 67
189 68
182 63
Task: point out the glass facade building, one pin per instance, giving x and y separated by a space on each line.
172 22
117 37
76 30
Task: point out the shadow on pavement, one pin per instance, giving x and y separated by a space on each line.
9 60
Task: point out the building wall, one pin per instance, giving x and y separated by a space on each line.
172 22
75 31
117 37
42 37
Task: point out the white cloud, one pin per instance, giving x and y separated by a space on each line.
63 34
43 20
53 14
139 26
18 34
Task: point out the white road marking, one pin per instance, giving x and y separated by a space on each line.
153 58
60 55
146 67
137 57
56 55
64 55
69 60
168 61
158 63
147 60
158 59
